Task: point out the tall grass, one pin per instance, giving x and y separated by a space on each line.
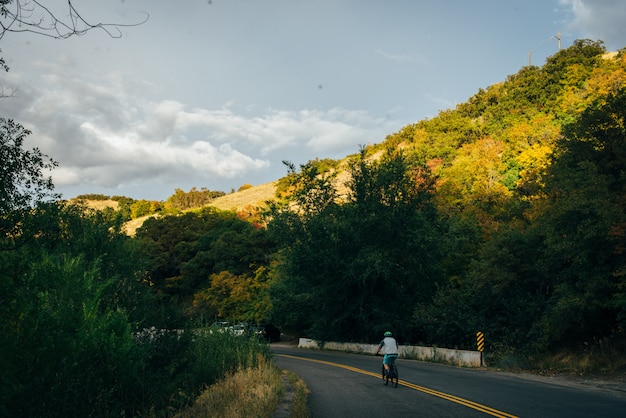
252 392
216 353
249 392
182 364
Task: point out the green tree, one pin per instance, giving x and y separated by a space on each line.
346 271
500 294
312 187
569 68
583 221
474 183
144 207
235 297
186 250
22 179
194 198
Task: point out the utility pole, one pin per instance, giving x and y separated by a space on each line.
530 55
558 38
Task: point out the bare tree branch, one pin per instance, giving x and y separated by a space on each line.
34 17
7 91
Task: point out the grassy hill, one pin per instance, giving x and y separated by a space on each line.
101 204
253 196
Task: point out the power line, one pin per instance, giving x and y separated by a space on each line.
557 37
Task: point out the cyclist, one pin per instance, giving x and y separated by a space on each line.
391 350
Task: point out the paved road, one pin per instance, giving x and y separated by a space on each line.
349 385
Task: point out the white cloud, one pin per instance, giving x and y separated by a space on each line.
106 137
599 19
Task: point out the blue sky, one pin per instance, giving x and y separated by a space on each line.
217 93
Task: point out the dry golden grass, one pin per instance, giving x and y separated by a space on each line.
253 196
298 406
131 226
101 204
253 392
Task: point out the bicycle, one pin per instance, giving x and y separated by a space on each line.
392 376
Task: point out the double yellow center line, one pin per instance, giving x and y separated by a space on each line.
470 404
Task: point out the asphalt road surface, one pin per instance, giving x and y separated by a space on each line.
349 385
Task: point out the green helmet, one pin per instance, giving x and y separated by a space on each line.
388 334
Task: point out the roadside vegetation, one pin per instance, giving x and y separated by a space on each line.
258 391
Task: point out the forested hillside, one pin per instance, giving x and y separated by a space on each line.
506 215
530 183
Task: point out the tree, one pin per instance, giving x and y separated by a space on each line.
192 252
144 207
569 68
583 221
347 271
501 294
311 188
22 174
474 183
235 297
194 198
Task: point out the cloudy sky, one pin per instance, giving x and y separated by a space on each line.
217 93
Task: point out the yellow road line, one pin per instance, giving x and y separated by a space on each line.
446 396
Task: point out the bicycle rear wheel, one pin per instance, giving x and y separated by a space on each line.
394 375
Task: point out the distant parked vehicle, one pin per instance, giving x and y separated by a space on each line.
240 329
219 326
269 332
